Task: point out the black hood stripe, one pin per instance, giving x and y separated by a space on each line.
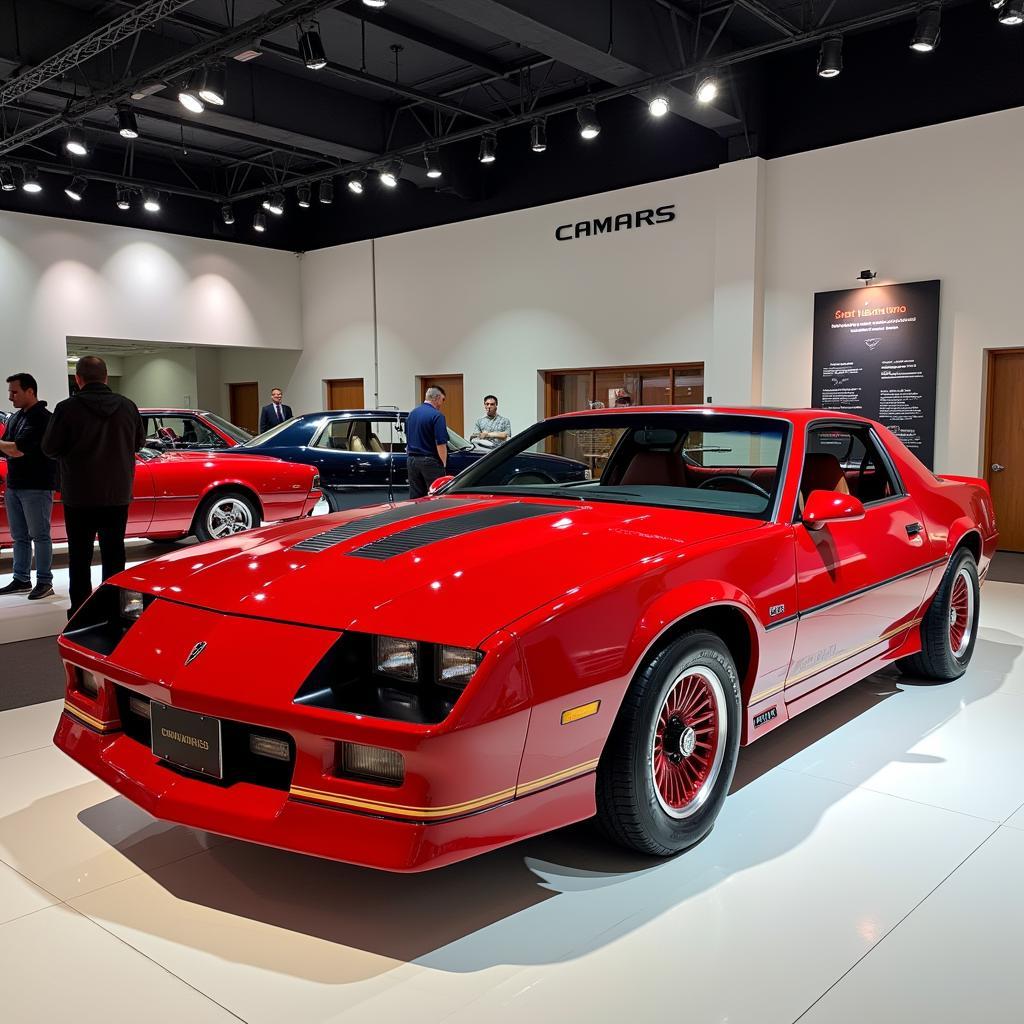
453 526
366 524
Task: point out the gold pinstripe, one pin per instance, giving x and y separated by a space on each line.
94 723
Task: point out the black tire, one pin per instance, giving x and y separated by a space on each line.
631 806
946 647
218 507
334 503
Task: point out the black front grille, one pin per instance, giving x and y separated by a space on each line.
240 763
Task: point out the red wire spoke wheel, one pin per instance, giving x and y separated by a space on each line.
961 613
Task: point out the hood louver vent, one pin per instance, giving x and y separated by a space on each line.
453 526
353 528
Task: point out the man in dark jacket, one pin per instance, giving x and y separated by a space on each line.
276 412
31 479
94 436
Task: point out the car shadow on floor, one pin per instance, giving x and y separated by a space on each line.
545 899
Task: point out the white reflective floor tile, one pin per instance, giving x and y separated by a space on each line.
28 728
957 958
1016 820
18 897
67 968
70 833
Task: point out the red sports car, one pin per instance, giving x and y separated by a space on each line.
206 493
501 659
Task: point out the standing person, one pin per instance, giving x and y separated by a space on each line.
491 425
94 436
276 412
426 434
31 480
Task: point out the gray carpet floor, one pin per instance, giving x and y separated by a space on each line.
1007 567
30 673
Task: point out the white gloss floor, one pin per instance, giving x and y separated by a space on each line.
867 867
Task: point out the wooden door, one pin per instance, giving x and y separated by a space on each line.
244 400
1004 448
453 408
345 394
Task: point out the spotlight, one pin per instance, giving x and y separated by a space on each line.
151 201
302 194
7 180
538 136
590 127
707 89
275 204
866 276
30 183
658 106
259 221
433 163
127 126
355 182
1012 13
214 89
326 192
77 188
488 148
311 47
188 95
389 173
377 4
926 34
75 142
123 197
227 214
830 57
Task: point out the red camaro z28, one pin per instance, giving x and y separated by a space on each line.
208 494
500 658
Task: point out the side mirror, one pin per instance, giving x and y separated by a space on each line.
441 481
831 507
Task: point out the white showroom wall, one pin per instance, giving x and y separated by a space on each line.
61 279
167 377
941 202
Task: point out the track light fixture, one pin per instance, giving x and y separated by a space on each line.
1012 13
214 89
75 142
538 136
259 221
659 105
123 197
151 201
707 89
926 33
7 179
356 182
432 162
311 47
590 127
188 94
376 4
30 180
77 188
389 173
488 148
325 193
302 196
227 213
830 57
274 204
127 126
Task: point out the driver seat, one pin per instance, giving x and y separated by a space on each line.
658 469
822 472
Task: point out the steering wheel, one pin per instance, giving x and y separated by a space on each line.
734 478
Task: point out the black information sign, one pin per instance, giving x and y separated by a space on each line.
876 354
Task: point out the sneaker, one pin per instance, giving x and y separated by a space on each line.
40 590
16 587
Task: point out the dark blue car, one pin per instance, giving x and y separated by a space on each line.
360 454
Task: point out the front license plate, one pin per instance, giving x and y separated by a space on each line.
187 739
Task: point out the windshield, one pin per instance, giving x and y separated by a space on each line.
268 435
235 433
691 460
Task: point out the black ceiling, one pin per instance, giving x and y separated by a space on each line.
463 67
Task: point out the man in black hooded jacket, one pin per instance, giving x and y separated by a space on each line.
94 436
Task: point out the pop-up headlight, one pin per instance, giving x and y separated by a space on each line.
396 657
132 604
456 665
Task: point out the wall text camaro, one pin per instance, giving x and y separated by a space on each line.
618 222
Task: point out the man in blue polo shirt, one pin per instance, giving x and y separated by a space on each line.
427 442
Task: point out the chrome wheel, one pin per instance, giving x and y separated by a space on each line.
228 515
961 613
689 741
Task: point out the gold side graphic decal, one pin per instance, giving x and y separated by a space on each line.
94 723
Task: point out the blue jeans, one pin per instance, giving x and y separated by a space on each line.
28 514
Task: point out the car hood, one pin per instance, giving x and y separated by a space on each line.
447 569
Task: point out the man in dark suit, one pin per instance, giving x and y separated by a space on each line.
276 412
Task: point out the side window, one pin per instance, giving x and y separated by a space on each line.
335 436
384 437
847 460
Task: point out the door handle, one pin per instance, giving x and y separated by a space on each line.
913 529
996 468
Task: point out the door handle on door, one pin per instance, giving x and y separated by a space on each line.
996 468
913 529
